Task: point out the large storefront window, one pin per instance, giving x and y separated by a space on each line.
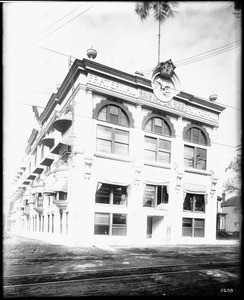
111 194
193 227
110 224
154 196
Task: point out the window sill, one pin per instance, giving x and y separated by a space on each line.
157 164
114 156
197 171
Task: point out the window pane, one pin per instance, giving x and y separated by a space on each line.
121 149
166 129
149 196
102 195
148 126
104 132
164 157
122 136
104 146
150 155
203 140
158 122
189 156
163 144
150 143
188 202
114 110
199 203
103 114
119 195
101 229
195 135
188 136
198 228
119 224
101 218
201 153
119 219
187 227
123 119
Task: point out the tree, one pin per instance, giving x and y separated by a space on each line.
162 10
233 184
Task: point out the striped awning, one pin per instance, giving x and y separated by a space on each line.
61 185
195 188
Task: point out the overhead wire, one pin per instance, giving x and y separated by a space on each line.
66 23
55 22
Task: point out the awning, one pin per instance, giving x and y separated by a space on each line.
112 182
195 188
61 185
38 189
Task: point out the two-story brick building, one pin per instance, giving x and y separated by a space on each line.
109 162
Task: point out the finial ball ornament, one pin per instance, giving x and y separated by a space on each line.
91 53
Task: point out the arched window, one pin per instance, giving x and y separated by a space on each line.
111 138
195 157
196 136
158 126
113 114
156 148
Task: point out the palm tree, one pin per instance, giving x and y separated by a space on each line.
162 11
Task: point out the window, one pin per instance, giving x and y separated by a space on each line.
154 196
112 140
193 227
157 149
62 196
194 203
196 136
195 157
110 224
113 114
158 126
111 194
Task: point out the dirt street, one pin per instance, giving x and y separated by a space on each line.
32 267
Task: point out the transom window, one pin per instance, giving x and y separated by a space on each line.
196 136
111 194
194 203
195 157
158 126
113 114
112 140
110 224
193 227
157 149
154 196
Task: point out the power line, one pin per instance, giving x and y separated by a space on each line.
204 57
55 22
213 50
66 23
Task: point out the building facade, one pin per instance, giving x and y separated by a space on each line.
111 163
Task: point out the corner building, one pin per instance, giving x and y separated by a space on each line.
109 163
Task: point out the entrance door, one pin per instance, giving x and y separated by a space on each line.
149 226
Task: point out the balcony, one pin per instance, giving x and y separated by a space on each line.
26 211
38 206
62 204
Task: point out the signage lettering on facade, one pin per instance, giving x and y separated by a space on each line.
150 97
112 85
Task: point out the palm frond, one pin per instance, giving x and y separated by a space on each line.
143 9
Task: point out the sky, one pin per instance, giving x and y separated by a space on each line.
203 40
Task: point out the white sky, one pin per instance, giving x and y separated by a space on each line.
124 42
